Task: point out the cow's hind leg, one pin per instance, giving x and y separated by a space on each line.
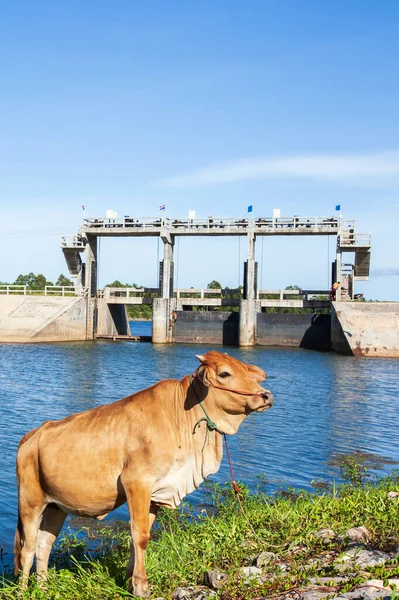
152 517
52 521
139 501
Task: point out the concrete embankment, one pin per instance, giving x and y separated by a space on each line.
25 319
365 328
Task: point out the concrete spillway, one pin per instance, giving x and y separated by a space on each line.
365 328
42 319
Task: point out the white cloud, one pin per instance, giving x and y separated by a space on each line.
351 169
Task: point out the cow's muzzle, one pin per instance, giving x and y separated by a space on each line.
268 400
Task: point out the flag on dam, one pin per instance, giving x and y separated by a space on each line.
250 208
338 207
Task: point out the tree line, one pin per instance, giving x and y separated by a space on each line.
39 281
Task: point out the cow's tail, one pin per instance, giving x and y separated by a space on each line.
18 547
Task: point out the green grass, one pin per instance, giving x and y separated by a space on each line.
186 544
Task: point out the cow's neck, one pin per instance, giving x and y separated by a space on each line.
205 396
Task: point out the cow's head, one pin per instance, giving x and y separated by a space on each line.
237 383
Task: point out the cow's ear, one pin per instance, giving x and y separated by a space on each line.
256 373
202 375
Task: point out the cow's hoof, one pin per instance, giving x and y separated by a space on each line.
140 588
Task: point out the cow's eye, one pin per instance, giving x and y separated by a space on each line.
224 374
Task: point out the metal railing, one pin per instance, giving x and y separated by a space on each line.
350 238
113 292
259 224
207 293
49 290
72 241
294 294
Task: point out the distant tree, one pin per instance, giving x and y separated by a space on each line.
214 285
293 287
40 282
27 280
119 284
32 281
63 281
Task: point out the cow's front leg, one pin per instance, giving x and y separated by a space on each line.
153 515
139 500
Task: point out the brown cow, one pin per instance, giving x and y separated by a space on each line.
150 449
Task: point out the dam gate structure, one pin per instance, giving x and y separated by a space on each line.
173 318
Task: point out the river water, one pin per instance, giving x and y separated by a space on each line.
325 405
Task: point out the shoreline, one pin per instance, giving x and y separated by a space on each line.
140 320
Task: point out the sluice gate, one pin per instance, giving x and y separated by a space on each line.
106 312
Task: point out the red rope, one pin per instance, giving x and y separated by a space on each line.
233 482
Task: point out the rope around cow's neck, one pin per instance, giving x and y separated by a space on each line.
211 426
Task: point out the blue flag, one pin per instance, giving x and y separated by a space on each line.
338 207
250 208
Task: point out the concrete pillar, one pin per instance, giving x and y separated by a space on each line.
167 268
90 284
250 290
160 321
249 306
338 269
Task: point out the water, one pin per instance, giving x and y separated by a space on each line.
325 405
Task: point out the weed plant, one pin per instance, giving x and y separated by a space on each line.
218 536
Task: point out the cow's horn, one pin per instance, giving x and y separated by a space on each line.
200 357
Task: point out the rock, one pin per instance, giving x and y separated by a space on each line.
203 594
327 535
325 580
284 568
392 495
365 557
355 535
183 594
192 593
264 558
314 595
369 590
250 573
215 579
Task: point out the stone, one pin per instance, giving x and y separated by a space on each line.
325 580
365 557
392 495
250 573
355 535
369 590
284 568
327 535
215 579
183 594
203 594
314 595
192 593
264 558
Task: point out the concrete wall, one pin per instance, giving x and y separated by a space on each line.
206 327
289 329
365 328
42 319
111 318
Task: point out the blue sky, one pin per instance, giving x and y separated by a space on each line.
200 105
